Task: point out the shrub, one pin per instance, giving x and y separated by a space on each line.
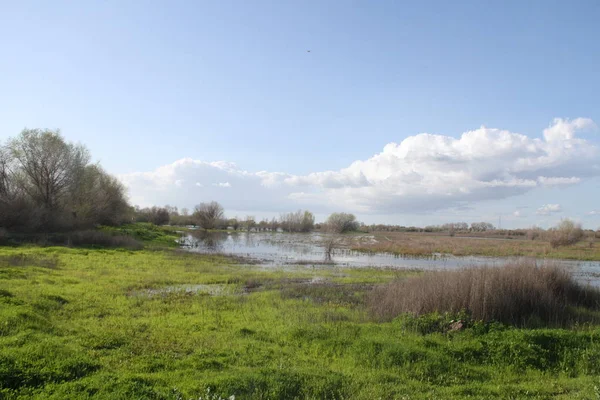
520 294
341 222
534 233
565 234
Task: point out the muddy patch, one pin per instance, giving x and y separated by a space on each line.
189 290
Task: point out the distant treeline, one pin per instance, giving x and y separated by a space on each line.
448 227
212 216
49 184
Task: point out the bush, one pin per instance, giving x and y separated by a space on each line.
534 233
341 222
565 234
520 294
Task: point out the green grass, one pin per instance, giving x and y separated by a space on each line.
78 324
149 234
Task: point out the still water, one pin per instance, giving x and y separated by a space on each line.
276 249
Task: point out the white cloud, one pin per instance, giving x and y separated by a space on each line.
518 214
594 212
555 181
423 172
548 209
563 129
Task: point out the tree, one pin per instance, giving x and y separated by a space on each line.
97 198
341 222
482 227
249 223
208 215
49 165
234 223
299 221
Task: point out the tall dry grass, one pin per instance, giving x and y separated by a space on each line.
520 294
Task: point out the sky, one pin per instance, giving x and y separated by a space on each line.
411 113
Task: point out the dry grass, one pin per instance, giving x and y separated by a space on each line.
520 294
426 244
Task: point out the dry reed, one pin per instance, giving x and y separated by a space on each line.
519 293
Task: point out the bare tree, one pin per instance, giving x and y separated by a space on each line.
299 221
49 165
209 215
6 176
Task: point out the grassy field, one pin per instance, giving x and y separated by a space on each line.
117 324
426 244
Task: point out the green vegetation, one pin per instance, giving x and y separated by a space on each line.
164 324
130 236
148 233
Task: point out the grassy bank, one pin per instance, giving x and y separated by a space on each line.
426 244
130 236
117 324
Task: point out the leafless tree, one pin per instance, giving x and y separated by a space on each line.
299 221
209 215
49 165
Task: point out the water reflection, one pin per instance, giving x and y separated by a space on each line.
287 248
212 242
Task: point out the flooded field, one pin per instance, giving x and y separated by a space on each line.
276 249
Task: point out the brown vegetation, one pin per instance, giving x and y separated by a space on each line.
520 294
428 244
565 234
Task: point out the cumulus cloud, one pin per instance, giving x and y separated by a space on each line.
421 173
548 209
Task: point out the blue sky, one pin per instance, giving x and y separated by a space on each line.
144 84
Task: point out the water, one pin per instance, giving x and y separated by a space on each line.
276 249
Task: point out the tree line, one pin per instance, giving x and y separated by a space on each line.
211 215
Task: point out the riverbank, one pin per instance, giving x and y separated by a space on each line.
165 324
